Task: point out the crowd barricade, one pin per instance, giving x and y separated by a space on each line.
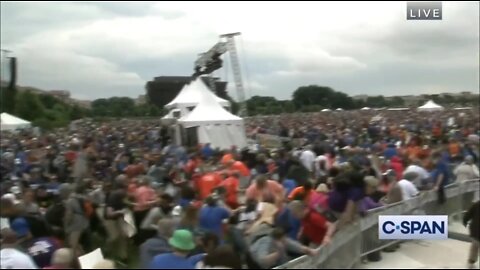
361 237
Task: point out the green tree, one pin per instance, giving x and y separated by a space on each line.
322 97
76 112
397 102
8 99
376 102
28 106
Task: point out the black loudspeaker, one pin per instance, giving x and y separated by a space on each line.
13 72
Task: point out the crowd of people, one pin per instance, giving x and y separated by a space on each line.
69 192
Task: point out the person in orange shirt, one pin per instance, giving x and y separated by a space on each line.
231 185
207 183
227 157
237 165
302 193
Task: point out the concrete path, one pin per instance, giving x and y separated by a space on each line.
424 255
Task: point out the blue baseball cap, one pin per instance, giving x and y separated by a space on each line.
20 227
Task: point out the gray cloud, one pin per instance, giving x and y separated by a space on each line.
106 49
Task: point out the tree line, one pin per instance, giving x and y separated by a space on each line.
47 111
314 98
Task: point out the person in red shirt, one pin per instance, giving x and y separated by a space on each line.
397 165
231 185
134 170
207 183
192 164
316 228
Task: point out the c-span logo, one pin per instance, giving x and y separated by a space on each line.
413 227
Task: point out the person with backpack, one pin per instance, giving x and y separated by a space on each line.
272 250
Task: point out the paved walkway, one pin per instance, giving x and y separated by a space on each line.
425 254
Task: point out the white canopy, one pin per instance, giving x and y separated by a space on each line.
326 110
462 108
339 109
172 114
430 106
191 94
215 125
10 122
398 109
365 109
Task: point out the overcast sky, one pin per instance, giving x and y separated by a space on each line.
112 49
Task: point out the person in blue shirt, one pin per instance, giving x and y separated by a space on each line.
182 243
390 152
289 185
212 217
441 176
158 244
207 151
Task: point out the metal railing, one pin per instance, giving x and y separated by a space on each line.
361 237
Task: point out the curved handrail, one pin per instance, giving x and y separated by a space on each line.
347 237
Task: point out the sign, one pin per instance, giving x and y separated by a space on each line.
89 260
413 227
424 10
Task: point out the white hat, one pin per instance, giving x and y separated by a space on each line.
16 190
11 197
177 211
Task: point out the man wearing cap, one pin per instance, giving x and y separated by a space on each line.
182 243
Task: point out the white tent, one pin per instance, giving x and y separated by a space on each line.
462 108
365 109
190 95
326 110
430 106
172 114
215 125
398 109
10 122
339 109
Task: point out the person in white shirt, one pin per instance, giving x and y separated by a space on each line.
321 166
409 190
422 174
10 256
466 171
307 158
